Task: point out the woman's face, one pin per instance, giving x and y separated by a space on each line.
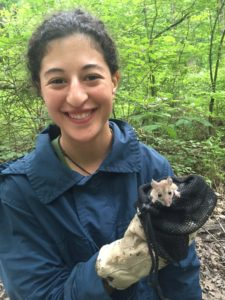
77 87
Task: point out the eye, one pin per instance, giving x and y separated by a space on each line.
170 193
93 77
160 195
57 81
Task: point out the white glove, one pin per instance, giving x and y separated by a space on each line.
127 260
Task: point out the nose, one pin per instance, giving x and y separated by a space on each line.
77 94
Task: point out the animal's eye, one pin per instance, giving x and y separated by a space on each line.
159 195
170 193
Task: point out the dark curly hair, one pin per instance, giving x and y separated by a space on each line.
63 24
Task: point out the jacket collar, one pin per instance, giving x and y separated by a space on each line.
50 178
124 156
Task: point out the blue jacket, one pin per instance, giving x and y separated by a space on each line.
53 222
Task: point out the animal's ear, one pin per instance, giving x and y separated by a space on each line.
169 180
154 184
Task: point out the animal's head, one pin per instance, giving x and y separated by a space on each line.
162 191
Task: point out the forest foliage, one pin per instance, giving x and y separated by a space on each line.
172 90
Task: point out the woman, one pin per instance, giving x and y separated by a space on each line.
66 205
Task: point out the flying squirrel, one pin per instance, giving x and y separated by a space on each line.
163 191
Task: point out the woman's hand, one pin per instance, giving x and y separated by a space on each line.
127 260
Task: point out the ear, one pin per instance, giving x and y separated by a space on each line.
169 180
154 184
115 81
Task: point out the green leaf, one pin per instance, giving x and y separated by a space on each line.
150 128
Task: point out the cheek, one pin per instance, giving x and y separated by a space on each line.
52 99
107 103
103 95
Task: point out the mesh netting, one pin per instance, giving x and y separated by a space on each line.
172 225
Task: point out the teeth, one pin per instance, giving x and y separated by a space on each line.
80 116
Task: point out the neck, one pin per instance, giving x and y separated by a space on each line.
86 157
75 164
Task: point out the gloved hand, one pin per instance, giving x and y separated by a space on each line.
126 261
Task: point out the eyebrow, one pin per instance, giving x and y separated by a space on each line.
53 70
86 67
92 66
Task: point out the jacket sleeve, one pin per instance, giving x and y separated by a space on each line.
32 268
153 165
181 280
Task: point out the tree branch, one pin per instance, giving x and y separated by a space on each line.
154 22
172 25
214 78
218 57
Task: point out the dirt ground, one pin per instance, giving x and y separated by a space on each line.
211 250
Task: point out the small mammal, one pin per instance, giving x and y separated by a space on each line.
163 191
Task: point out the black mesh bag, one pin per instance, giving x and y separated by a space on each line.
167 229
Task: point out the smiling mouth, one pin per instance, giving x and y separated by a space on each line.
81 116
